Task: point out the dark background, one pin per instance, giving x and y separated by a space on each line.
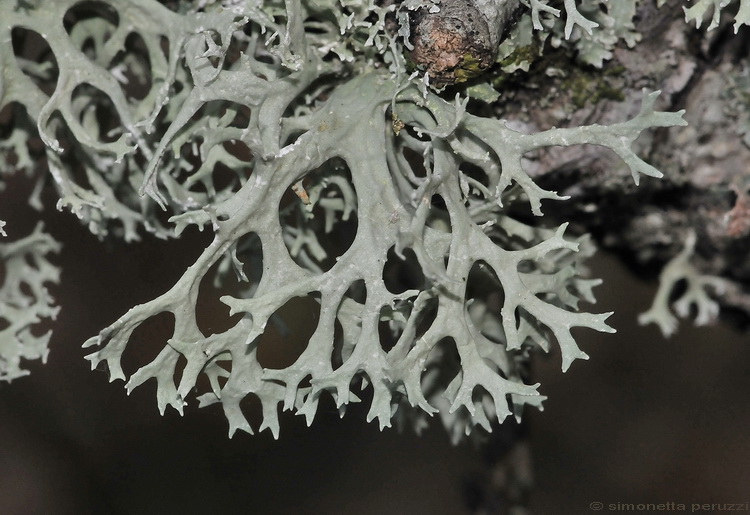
644 420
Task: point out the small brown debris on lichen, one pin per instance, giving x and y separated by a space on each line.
396 124
300 191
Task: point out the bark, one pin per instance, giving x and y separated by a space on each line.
455 40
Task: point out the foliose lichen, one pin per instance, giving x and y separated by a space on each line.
25 301
695 295
214 111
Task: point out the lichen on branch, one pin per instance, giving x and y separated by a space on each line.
394 208
248 106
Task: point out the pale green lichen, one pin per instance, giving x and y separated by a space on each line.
678 270
305 89
700 10
25 302
592 27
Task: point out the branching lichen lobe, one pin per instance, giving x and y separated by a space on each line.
370 115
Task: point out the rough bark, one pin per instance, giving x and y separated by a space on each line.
454 41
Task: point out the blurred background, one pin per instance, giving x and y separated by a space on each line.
644 420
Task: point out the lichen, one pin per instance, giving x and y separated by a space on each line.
700 10
314 99
681 269
25 301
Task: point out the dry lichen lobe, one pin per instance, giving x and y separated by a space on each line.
451 45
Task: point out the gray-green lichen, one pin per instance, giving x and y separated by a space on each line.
694 296
144 108
593 27
25 301
701 9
